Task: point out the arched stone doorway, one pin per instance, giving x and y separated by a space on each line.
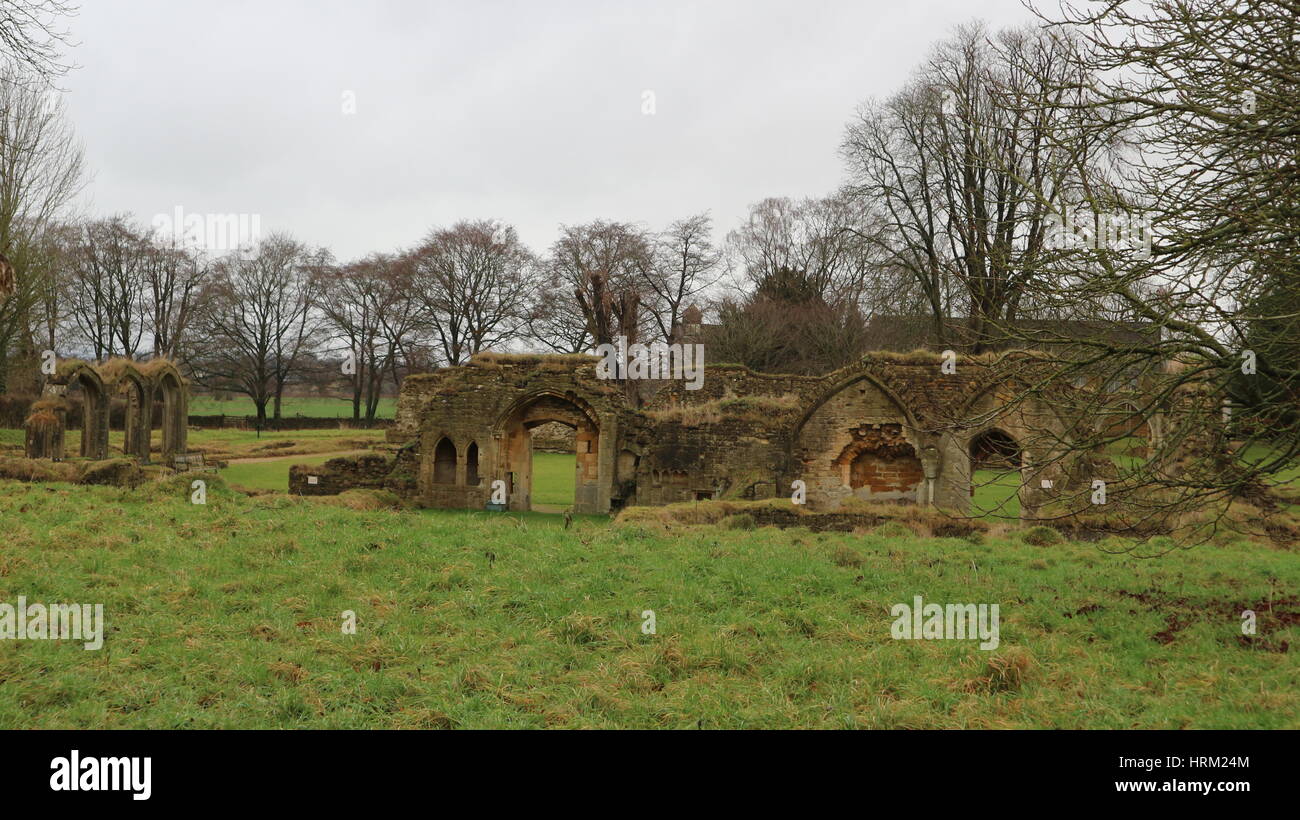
1017 482
996 461
137 426
82 382
517 449
175 412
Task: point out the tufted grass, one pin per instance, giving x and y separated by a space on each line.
228 615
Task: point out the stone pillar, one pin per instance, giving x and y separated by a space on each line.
606 464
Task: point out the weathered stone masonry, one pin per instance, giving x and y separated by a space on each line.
139 383
889 428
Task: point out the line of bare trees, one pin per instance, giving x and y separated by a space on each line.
261 319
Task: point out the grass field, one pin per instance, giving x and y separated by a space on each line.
266 475
228 615
996 494
553 478
292 406
228 444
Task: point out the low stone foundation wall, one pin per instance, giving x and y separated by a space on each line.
369 471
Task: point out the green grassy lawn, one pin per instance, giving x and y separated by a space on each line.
231 443
553 477
227 444
228 615
314 407
996 494
266 475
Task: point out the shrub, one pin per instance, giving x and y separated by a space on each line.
1005 671
894 530
740 521
1041 536
847 557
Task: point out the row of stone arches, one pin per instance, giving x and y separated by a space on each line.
860 440
138 384
447 465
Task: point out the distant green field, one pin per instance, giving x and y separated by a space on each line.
314 407
996 494
266 475
553 477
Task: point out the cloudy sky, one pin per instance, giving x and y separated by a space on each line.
527 112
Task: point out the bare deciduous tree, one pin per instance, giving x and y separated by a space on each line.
257 320
173 278
604 264
354 300
106 288
686 264
41 170
823 239
1203 97
965 165
31 38
475 280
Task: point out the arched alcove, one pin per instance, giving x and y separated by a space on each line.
471 464
444 462
175 411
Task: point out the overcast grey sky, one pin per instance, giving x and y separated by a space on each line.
527 112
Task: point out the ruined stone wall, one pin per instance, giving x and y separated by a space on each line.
892 427
731 458
367 471
486 412
722 381
554 437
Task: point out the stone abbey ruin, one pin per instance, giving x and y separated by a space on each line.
908 428
140 384
893 427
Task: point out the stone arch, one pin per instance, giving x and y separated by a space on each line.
168 383
857 438
995 448
444 461
471 464
835 389
94 405
125 379
515 456
1000 457
1036 428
